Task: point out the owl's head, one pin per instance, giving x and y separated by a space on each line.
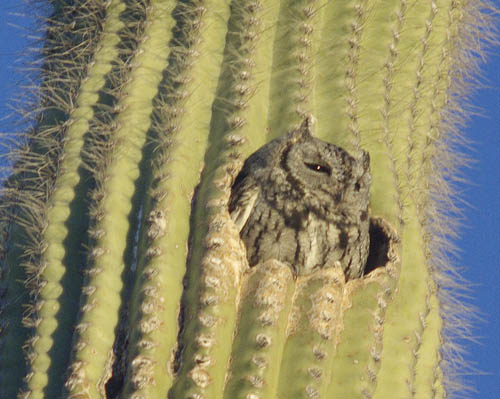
326 174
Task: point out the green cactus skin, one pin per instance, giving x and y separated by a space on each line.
122 274
266 301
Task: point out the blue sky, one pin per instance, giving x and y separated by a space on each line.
480 237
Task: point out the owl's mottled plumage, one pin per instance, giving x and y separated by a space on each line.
304 201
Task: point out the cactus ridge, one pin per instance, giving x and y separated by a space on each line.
30 194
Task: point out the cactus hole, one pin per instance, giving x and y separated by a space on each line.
380 241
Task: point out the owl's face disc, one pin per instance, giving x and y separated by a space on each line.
325 176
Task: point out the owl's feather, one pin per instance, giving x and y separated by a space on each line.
243 206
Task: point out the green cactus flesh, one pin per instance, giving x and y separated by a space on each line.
123 274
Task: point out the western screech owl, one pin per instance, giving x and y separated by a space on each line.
304 201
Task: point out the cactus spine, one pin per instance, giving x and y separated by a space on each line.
115 231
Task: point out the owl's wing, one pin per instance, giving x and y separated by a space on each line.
242 205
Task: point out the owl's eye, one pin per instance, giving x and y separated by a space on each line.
319 168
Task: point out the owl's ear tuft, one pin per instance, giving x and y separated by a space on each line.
307 126
305 131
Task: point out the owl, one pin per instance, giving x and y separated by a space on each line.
304 201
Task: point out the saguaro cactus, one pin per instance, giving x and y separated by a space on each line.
122 272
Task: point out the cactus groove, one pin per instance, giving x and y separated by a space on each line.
122 274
